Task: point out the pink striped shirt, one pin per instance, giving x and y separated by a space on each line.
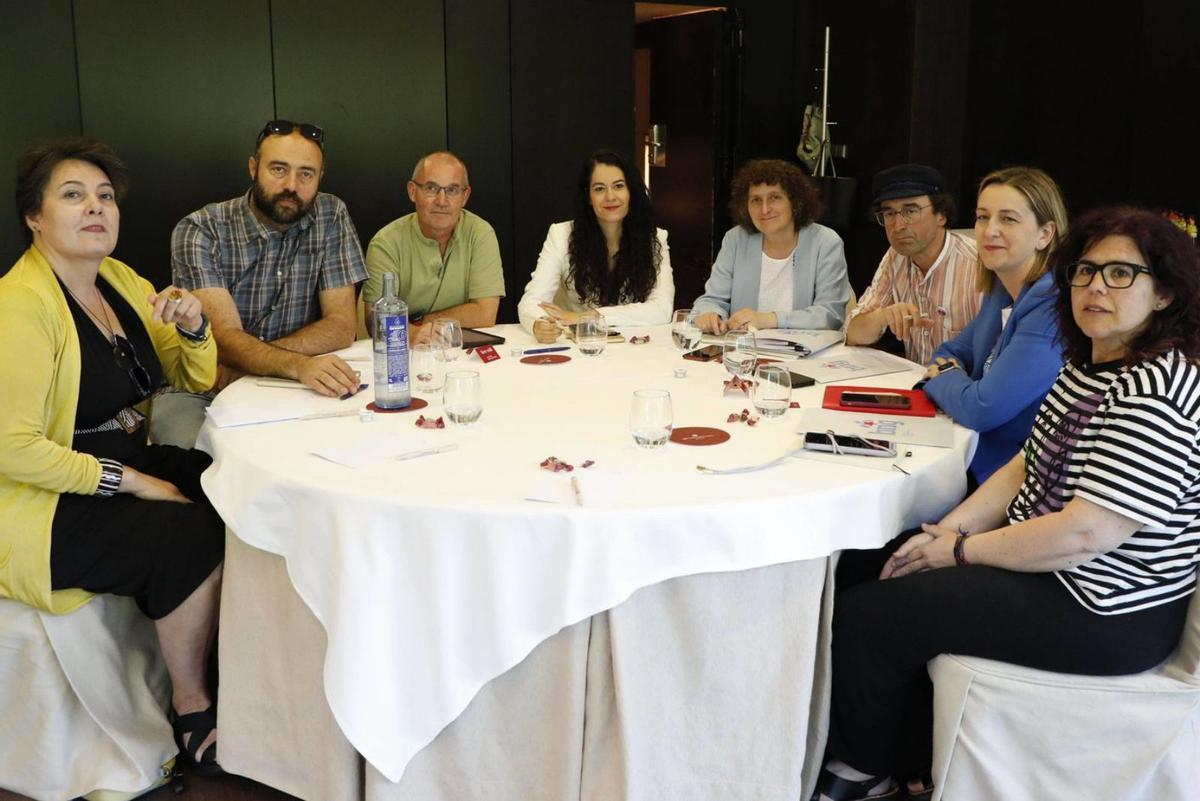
945 294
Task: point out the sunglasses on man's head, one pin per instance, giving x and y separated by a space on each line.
285 127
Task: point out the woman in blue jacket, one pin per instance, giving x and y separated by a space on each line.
993 376
777 268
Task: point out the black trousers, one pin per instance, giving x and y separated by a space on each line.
884 633
157 552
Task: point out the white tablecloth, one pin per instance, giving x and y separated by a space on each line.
433 576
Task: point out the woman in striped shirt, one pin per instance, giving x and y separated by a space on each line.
1080 554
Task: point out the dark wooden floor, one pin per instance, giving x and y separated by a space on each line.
198 788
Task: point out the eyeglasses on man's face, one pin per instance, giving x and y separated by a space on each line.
285 127
431 189
1114 274
909 214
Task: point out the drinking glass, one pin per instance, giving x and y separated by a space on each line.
651 418
591 335
462 397
738 353
772 390
684 333
427 367
447 335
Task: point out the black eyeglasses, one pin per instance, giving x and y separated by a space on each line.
285 127
1114 274
127 360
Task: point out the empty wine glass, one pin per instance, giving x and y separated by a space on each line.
462 397
738 353
685 333
651 418
591 335
427 367
772 390
447 336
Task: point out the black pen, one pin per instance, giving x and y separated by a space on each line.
350 395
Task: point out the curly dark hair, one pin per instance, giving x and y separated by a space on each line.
803 194
635 268
36 164
1167 251
943 204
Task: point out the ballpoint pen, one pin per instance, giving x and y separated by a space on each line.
535 351
325 415
426 452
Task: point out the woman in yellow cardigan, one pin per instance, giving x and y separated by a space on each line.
86 505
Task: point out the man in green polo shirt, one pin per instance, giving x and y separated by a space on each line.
446 260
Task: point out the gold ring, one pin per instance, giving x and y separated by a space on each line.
175 296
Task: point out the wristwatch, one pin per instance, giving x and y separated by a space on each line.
199 335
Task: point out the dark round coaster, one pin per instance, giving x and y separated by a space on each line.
546 358
417 403
699 435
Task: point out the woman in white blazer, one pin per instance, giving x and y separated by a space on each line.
777 268
609 258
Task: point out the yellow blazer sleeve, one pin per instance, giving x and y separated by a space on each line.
33 345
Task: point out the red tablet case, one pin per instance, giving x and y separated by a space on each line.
921 405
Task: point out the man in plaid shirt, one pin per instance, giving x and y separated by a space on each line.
275 270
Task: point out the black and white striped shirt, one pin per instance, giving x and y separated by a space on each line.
1126 438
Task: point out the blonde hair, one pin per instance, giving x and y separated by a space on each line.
1045 200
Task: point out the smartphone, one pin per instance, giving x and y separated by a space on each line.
859 446
876 400
800 380
705 354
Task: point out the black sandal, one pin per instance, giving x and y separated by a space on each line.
197 725
836 788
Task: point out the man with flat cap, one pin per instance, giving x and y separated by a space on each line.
924 290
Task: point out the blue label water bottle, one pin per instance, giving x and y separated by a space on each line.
391 348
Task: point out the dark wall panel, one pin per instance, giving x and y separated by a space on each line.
372 73
179 90
1070 110
38 94
773 100
478 118
1166 127
572 92
870 90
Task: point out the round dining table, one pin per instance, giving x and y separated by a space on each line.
429 612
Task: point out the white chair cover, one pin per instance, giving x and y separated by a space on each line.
1002 731
82 700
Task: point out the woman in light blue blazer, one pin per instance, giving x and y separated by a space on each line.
778 268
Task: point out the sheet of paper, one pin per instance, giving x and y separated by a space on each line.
937 431
814 339
371 450
289 407
849 364
580 487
